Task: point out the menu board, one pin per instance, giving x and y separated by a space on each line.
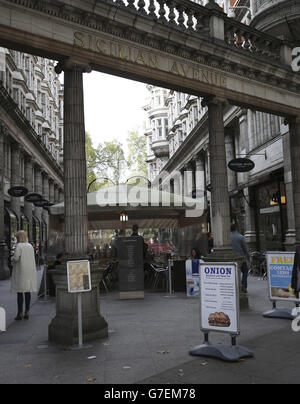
280 268
79 276
219 301
131 265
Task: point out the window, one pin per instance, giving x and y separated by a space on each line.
16 95
159 128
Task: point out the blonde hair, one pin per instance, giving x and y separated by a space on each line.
21 237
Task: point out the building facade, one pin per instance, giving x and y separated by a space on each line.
31 144
178 158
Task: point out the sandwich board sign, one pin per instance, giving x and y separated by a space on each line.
280 268
219 311
219 298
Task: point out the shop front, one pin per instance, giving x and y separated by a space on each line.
271 215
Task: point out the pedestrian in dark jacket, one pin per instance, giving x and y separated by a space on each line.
239 245
296 273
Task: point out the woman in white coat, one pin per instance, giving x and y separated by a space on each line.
24 275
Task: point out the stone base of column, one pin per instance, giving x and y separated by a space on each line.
4 255
228 255
64 327
290 240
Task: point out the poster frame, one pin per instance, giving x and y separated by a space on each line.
237 300
278 299
89 276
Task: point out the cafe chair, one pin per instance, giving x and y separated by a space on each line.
160 275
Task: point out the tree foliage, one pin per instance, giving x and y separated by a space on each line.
108 163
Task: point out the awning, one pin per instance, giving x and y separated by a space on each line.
144 206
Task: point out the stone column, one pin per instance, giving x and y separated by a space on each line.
4 253
38 188
56 197
51 190
60 195
220 203
230 155
188 179
290 233
15 179
76 231
294 125
64 327
250 232
200 176
28 206
45 213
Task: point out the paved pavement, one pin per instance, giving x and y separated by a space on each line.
148 343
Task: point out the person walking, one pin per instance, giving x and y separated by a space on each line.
24 275
239 245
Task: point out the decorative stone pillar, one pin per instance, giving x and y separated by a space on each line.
220 203
45 214
15 179
56 197
188 179
230 155
294 125
182 182
38 188
4 253
28 207
200 176
51 190
290 233
64 327
250 232
75 197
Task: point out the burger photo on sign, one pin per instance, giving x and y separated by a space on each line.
219 320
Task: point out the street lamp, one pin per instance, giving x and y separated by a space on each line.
123 220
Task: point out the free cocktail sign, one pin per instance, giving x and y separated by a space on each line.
280 268
219 304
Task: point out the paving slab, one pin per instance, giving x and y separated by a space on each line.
148 343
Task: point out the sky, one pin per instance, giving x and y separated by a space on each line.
113 107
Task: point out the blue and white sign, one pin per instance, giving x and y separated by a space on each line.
192 277
219 297
2 319
280 268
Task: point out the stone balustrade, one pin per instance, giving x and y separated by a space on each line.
248 39
195 19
